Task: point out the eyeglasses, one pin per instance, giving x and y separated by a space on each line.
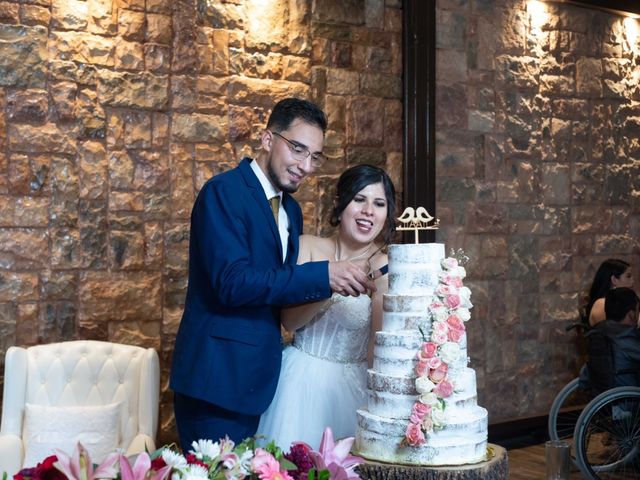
300 153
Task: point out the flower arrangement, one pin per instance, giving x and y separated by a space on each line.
208 460
448 312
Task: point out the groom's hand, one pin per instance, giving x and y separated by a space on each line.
350 278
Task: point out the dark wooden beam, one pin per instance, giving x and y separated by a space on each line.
419 58
615 6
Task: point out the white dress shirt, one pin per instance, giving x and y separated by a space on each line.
270 191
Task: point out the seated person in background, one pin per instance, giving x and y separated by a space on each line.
612 273
614 344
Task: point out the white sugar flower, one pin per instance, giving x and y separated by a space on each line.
438 416
465 296
205 448
449 352
430 399
459 272
424 385
449 263
174 459
463 314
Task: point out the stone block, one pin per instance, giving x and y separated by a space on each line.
153 245
63 96
160 130
137 130
9 13
182 196
57 322
93 170
23 56
589 77
296 69
159 29
65 248
176 246
126 250
131 25
350 12
103 18
199 127
556 184
29 105
151 172
81 47
21 248
31 212
69 14
119 296
380 85
129 55
454 97
157 58
129 90
365 124
34 15
342 82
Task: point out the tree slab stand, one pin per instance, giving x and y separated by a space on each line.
496 468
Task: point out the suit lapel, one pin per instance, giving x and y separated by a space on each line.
294 229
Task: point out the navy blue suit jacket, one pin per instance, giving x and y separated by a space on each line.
228 348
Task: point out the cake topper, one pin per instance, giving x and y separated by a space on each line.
416 220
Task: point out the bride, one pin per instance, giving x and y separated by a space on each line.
323 377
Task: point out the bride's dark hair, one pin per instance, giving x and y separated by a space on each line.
355 179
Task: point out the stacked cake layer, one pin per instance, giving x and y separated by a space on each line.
391 428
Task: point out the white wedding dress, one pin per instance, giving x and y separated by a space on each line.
323 378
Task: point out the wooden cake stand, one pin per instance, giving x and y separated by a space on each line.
495 468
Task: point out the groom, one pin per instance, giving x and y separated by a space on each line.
242 269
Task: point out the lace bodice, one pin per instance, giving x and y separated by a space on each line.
339 332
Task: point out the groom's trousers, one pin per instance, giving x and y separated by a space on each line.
200 420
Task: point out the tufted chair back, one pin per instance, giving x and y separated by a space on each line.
82 373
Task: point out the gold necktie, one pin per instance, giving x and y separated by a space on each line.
275 207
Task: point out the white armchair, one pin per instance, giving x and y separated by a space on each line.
65 377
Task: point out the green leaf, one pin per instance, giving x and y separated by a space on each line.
274 450
287 464
324 475
424 337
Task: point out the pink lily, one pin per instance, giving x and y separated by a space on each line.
141 469
79 465
335 457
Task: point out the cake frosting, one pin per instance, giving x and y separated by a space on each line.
422 402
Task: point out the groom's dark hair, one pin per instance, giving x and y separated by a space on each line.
286 111
355 179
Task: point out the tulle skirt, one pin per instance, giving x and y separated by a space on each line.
313 394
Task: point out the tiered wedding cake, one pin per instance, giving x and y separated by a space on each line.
422 407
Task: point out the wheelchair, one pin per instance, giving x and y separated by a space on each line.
601 424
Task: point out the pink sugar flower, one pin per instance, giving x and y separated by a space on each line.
444 389
428 350
452 301
421 368
455 335
438 375
414 435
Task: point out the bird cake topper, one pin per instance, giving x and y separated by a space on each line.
416 220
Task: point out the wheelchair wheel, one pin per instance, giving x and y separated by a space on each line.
565 410
607 436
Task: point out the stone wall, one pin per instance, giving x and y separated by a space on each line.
114 113
538 121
